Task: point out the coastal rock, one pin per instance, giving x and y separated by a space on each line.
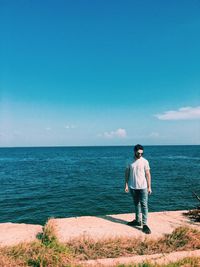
112 226
16 233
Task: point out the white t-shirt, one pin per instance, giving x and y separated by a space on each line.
137 178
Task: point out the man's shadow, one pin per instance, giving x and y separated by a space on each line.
116 220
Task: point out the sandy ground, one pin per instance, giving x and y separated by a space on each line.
14 233
110 226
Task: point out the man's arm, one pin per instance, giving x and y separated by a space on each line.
148 177
127 173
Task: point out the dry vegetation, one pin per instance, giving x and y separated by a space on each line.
194 214
48 252
183 238
187 262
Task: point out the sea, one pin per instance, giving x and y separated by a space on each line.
39 183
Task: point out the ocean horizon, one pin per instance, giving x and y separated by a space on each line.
65 146
68 181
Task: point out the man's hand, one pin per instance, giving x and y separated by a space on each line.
149 191
126 188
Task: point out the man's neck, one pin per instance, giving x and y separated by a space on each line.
136 159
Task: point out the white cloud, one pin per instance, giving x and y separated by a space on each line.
70 126
184 113
119 133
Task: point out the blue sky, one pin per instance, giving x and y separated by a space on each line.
99 72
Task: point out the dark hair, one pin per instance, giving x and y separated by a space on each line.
138 147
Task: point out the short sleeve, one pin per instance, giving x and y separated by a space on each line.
146 166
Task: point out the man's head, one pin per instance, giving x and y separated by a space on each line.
138 150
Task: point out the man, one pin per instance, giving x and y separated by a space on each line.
138 180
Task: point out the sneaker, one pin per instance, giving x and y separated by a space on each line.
146 229
134 223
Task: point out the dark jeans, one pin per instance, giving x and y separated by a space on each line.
140 199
